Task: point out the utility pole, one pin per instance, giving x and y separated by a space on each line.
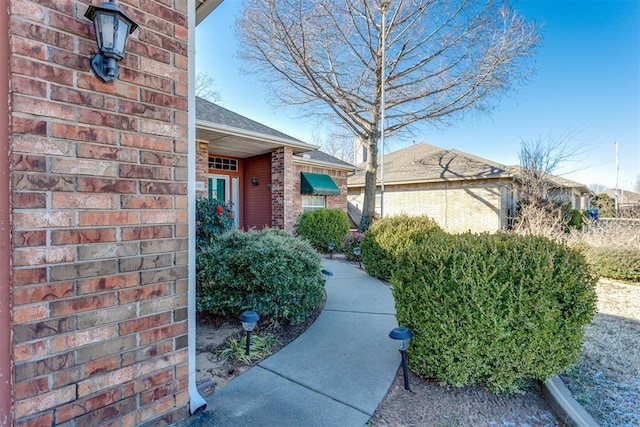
617 172
383 5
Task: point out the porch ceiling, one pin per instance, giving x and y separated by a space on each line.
231 144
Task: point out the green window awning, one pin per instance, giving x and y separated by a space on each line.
318 183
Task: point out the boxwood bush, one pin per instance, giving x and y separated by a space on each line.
322 226
269 271
493 309
615 263
387 237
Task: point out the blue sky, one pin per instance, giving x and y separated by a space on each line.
587 81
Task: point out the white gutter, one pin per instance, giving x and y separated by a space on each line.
196 401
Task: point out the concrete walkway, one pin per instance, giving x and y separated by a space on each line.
335 374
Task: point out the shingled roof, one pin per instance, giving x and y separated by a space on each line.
213 113
427 163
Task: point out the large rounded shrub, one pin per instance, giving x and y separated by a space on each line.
322 226
387 237
269 271
493 309
615 263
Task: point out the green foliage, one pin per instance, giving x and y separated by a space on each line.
388 236
322 226
605 204
212 219
365 223
493 309
615 263
575 218
259 348
269 271
351 241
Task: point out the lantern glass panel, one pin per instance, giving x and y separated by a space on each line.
105 23
122 31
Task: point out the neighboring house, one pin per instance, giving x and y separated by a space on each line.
628 201
270 178
462 192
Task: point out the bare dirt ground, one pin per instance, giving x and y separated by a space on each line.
612 348
606 378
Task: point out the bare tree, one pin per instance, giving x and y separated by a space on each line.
598 188
442 57
543 206
205 87
337 144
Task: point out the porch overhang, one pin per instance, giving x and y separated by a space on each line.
240 143
318 184
204 8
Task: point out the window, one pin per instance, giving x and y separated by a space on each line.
311 202
220 163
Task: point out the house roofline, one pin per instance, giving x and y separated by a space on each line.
431 181
302 161
230 130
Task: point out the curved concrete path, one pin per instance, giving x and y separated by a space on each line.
335 374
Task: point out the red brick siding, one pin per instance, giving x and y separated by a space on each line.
333 202
99 183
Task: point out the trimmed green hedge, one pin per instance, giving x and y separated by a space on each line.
493 309
322 226
615 263
387 237
269 271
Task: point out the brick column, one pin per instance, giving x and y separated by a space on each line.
282 186
99 220
202 167
6 380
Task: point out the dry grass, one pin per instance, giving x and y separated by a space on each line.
606 378
622 234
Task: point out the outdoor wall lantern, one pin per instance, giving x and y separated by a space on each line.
254 181
332 246
356 252
402 337
249 320
112 27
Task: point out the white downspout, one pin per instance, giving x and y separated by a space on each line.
196 401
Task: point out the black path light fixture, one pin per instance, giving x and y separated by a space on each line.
112 27
356 252
332 246
402 337
249 320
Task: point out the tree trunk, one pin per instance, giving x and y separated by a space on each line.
370 184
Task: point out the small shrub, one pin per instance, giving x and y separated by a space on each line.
493 309
322 226
268 271
259 348
212 219
351 241
387 237
615 263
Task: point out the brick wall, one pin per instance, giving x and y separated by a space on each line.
458 207
332 202
99 193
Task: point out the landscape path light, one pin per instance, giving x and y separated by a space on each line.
332 246
249 320
112 28
356 252
402 337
